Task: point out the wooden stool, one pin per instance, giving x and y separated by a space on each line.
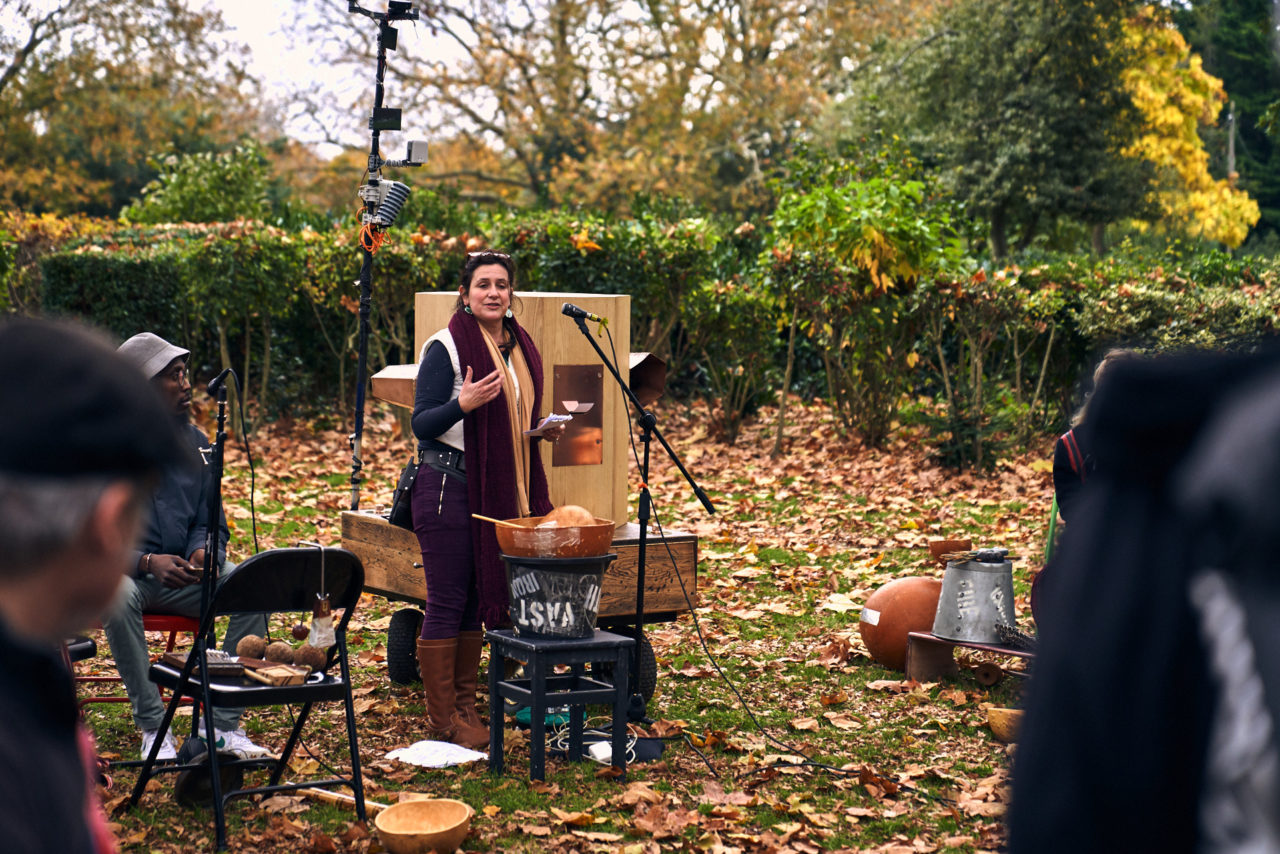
544 688
930 658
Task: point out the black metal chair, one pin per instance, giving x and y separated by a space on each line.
275 581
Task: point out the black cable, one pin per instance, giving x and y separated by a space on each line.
248 453
253 516
697 626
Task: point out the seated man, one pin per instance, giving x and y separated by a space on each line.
166 571
82 440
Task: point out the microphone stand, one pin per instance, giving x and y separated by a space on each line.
648 430
213 533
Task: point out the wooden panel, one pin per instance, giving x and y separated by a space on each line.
391 558
389 555
602 488
395 383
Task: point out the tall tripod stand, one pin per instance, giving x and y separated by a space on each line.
382 201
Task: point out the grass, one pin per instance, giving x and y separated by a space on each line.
896 766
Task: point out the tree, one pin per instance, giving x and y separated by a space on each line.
596 102
855 251
1022 107
205 187
1235 37
1177 97
90 89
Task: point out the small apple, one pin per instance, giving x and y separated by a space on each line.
300 630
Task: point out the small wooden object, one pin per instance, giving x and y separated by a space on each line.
279 674
930 657
1004 723
178 660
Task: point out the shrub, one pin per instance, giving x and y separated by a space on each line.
733 335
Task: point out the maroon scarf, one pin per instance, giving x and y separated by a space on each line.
491 465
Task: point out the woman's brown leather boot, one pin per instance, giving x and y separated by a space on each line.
467 729
466 677
436 664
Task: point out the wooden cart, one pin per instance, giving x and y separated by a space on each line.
393 569
588 467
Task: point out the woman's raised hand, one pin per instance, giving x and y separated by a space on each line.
476 394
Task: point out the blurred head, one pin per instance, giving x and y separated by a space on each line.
1112 358
487 281
82 437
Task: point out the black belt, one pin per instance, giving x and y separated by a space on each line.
446 462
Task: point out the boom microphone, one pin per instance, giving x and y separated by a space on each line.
571 310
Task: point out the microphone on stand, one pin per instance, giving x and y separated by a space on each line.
215 384
571 310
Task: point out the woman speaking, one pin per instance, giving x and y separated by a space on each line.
479 388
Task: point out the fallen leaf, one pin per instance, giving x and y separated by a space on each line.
841 720
576 819
535 830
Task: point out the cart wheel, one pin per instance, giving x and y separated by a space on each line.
988 674
648 669
402 646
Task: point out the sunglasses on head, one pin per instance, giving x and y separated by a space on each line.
488 253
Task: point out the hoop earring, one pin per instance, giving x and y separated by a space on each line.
467 309
509 314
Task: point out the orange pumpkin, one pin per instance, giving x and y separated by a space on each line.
901 606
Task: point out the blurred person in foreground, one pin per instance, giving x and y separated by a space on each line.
170 556
1152 710
82 440
479 388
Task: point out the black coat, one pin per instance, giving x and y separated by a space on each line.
1112 750
43 783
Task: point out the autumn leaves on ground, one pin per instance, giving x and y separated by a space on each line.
787 737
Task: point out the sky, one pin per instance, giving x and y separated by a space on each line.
282 63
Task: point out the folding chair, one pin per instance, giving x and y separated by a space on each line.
274 581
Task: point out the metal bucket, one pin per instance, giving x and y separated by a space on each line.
555 597
976 595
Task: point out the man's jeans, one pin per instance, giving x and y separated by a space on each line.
123 628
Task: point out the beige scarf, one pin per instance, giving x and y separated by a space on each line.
517 387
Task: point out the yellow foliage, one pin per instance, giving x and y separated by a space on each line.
1176 95
583 242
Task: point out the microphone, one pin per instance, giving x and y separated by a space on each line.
571 310
215 384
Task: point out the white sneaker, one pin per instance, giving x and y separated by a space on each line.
237 742
168 750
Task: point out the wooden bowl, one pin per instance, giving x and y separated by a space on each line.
529 540
1004 723
419 826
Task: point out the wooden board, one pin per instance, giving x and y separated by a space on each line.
392 567
279 674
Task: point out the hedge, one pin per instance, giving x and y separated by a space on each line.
999 351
